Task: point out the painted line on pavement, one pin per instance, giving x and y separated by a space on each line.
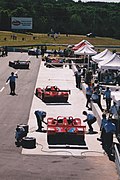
2 89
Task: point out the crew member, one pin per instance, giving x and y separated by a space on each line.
12 83
103 122
90 120
107 142
40 115
19 134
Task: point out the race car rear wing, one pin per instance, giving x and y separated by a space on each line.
64 91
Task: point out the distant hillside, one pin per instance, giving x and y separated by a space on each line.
64 16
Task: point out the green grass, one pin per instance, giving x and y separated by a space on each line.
44 39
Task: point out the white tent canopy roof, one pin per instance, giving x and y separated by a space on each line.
84 41
85 50
106 54
112 63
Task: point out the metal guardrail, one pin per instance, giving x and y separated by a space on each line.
117 159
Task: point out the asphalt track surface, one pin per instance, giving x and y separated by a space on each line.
15 110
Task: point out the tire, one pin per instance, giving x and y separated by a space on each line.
36 93
29 142
42 97
65 99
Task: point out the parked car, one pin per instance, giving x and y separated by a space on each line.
34 52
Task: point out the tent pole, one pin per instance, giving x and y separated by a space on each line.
88 60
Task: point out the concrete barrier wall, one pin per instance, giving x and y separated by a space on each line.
97 112
95 108
117 159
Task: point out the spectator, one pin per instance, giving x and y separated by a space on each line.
107 97
90 120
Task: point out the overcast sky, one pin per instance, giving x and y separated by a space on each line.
99 0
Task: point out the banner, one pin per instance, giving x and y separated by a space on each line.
21 23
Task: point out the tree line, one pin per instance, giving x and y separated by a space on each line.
64 16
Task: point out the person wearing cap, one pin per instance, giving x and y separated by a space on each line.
12 83
40 115
90 120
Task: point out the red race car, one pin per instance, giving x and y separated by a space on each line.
54 62
65 130
52 94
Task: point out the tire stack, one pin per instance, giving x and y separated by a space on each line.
29 142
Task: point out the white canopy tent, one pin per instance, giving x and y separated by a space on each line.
112 63
106 54
86 51
81 44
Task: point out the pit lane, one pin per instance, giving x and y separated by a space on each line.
64 79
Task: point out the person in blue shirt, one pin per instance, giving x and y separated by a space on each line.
19 134
40 115
109 130
12 83
90 120
103 122
107 96
88 95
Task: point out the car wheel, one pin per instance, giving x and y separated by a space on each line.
50 140
36 93
65 100
42 97
29 142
